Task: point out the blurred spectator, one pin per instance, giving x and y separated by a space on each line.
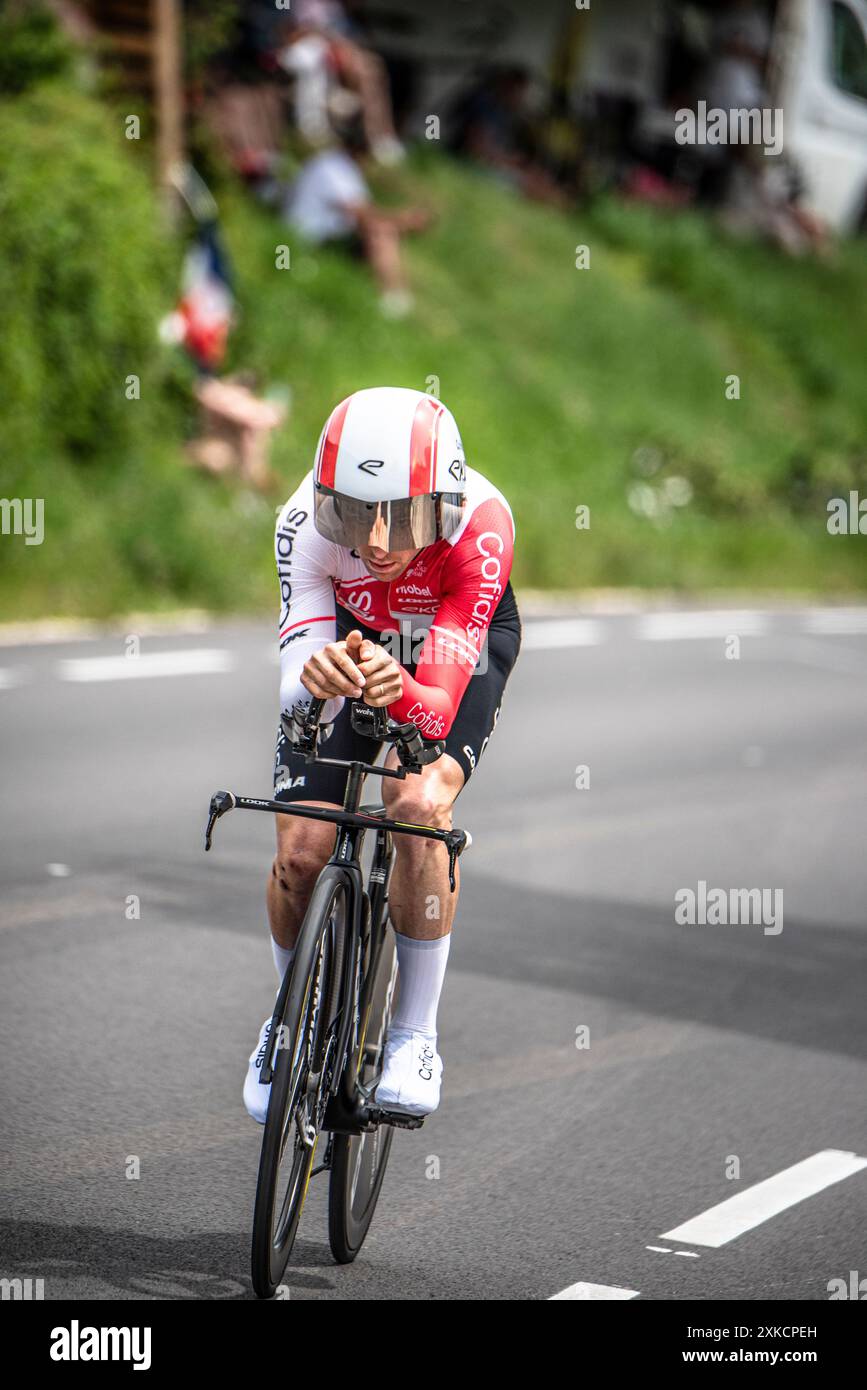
757 193
492 127
323 51
331 202
735 78
235 430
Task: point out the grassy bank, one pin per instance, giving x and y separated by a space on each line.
602 387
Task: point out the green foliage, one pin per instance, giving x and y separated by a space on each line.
87 270
209 28
85 275
32 48
572 387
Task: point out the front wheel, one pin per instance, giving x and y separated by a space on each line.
301 1075
358 1161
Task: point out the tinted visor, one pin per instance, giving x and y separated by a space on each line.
409 523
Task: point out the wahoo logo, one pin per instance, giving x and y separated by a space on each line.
77 1343
372 465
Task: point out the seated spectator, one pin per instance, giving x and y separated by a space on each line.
331 202
322 49
757 194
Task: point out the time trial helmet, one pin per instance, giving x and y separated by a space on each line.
389 471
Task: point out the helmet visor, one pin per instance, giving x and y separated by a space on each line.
408 523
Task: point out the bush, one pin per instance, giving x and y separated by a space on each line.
85 275
32 48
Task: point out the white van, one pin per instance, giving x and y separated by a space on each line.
819 78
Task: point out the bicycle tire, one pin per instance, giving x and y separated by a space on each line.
304 1028
358 1161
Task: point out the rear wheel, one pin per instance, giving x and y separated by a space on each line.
358 1161
304 1059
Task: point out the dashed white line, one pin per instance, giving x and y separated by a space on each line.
594 1291
562 632
543 634
196 661
829 621
679 626
731 1218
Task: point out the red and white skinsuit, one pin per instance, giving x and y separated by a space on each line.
451 589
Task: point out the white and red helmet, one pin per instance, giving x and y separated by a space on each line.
389 471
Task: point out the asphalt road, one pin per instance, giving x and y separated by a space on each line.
713 1049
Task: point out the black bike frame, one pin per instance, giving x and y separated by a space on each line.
347 1111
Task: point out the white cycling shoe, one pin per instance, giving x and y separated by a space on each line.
411 1073
256 1097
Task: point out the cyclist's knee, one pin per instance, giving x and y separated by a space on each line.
303 847
423 800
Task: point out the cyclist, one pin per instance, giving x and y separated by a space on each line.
391 544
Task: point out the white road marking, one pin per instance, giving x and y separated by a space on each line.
540 634
731 1218
679 626
666 1250
562 632
606 1291
57 870
825 621
196 661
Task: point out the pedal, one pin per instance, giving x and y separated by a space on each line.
396 1118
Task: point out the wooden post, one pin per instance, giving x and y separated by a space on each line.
168 89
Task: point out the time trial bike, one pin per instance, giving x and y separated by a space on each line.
323 1056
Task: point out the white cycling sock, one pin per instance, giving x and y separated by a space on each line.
422 967
282 958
